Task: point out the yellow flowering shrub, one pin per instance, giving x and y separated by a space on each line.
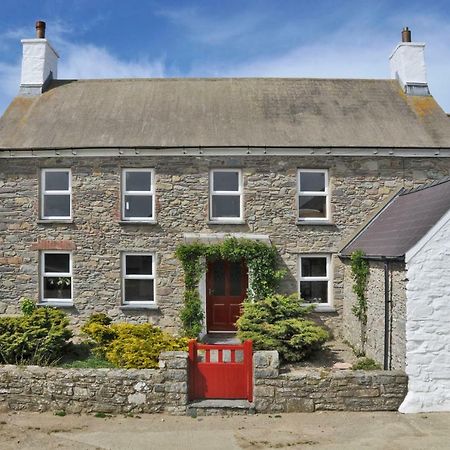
128 345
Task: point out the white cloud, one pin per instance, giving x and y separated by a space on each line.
212 30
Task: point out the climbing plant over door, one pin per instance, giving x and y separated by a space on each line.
261 260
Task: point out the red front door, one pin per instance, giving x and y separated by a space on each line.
226 288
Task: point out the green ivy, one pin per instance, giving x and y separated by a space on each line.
261 260
360 272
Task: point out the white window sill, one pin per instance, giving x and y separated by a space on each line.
55 221
131 307
315 222
320 307
226 222
56 304
138 222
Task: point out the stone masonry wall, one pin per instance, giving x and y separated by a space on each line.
374 346
428 325
36 388
358 186
119 391
315 390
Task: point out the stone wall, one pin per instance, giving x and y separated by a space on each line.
315 390
120 391
358 185
428 322
34 388
374 346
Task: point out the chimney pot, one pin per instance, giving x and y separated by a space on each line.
406 35
40 29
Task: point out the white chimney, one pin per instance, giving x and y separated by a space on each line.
39 62
408 65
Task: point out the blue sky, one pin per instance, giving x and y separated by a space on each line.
185 38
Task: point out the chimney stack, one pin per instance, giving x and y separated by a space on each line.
408 65
40 29
39 63
406 34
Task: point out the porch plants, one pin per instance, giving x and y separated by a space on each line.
279 322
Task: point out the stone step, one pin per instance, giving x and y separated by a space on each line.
220 407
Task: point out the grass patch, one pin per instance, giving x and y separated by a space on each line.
60 413
79 356
91 362
366 364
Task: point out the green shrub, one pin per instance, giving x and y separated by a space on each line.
366 364
128 345
27 306
40 337
278 323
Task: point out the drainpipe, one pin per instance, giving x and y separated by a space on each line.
386 314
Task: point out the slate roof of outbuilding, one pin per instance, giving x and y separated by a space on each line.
403 221
224 112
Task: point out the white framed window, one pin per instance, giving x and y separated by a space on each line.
315 284
313 195
138 278
56 276
138 195
225 195
56 194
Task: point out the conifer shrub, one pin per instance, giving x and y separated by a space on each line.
128 345
40 336
278 323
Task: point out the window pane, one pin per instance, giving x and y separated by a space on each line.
57 205
56 181
139 206
57 262
57 287
314 291
235 278
138 181
139 264
314 267
226 181
139 291
312 206
226 206
218 278
312 181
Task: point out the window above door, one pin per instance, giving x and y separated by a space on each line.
226 196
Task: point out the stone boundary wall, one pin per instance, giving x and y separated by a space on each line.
34 388
119 391
315 390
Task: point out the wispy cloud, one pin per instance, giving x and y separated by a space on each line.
211 30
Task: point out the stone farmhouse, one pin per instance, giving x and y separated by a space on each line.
101 180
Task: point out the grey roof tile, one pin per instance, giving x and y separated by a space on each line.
273 112
403 222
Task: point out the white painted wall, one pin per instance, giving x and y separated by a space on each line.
38 61
407 63
428 322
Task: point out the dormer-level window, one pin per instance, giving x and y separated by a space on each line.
138 195
226 203
313 195
56 194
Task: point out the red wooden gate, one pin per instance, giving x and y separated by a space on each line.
220 371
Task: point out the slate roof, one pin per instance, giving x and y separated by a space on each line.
225 112
403 222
